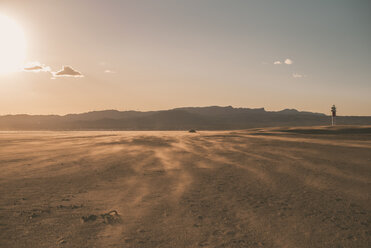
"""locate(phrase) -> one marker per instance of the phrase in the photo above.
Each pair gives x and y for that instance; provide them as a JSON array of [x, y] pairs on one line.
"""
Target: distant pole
[[333, 111]]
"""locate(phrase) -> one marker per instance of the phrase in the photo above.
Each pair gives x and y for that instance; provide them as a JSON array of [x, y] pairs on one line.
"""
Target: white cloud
[[288, 61], [109, 71], [277, 62], [297, 75], [67, 71]]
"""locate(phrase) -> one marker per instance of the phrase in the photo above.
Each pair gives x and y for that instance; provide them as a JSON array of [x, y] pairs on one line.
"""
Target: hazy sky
[[155, 54]]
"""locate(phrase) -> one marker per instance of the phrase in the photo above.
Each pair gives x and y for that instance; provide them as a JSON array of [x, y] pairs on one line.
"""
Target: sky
[[85, 55]]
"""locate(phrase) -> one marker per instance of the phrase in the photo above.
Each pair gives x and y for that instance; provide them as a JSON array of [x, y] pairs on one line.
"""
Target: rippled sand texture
[[256, 188]]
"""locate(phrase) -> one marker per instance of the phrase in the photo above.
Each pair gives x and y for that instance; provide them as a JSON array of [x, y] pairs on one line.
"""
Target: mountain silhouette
[[199, 118]]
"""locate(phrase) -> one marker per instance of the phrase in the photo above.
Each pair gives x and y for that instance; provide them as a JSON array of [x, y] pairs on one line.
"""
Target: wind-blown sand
[[306, 187]]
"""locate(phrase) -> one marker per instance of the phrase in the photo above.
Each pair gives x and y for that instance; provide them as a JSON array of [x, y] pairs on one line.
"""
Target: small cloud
[[277, 62], [297, 75], [109, 71], [36, 67], [33, 68], [67, 71], [288, 61]]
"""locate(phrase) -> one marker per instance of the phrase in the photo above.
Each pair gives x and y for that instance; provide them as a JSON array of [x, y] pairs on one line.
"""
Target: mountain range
[[199, 118]]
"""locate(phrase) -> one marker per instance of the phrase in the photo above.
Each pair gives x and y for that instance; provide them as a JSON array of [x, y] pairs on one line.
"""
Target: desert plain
[[271, 187]]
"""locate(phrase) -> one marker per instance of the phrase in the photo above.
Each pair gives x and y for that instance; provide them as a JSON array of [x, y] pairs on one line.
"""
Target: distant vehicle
[[192, 131]]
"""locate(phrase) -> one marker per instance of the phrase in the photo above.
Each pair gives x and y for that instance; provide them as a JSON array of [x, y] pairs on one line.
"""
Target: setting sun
[[12, 46]]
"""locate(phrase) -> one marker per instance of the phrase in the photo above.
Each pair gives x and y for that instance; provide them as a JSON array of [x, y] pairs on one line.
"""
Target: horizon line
[[206, 106]]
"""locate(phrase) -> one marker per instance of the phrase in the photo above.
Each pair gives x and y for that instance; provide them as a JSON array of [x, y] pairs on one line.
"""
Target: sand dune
[[296, 187]]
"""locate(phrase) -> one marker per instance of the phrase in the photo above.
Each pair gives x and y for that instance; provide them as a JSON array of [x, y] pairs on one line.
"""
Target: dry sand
[[255, 188]]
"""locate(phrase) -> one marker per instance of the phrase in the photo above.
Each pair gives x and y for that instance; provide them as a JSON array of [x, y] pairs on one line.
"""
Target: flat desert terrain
[[297, 187]]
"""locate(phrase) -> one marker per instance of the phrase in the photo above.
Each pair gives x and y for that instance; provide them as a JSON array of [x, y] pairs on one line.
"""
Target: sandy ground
[[254, 188]]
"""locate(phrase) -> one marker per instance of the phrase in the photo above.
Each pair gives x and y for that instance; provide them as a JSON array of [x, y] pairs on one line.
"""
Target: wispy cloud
[[67, 71], [109, 71], [33, 68], [297, 75], [288, 62], [36, 67]]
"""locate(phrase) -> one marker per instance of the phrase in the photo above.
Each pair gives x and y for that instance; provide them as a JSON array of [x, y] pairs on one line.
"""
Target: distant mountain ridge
[[200, 118]]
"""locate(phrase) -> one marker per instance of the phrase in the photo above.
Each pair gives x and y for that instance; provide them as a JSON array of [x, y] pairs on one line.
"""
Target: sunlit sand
[[298, 187]]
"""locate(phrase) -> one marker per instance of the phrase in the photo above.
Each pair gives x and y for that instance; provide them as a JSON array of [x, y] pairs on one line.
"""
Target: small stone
[[91, 217], [111, 217], [34, 215], [62, 241]]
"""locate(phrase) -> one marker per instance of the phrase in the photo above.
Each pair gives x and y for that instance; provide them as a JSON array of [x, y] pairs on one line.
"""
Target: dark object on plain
[[91, 217], [192, 131]]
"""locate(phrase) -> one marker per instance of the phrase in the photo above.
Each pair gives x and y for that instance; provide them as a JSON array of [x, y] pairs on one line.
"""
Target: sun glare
[[12, 46]]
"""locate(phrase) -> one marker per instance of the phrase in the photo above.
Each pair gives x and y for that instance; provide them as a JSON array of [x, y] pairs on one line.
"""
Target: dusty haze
[[307, 187]]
